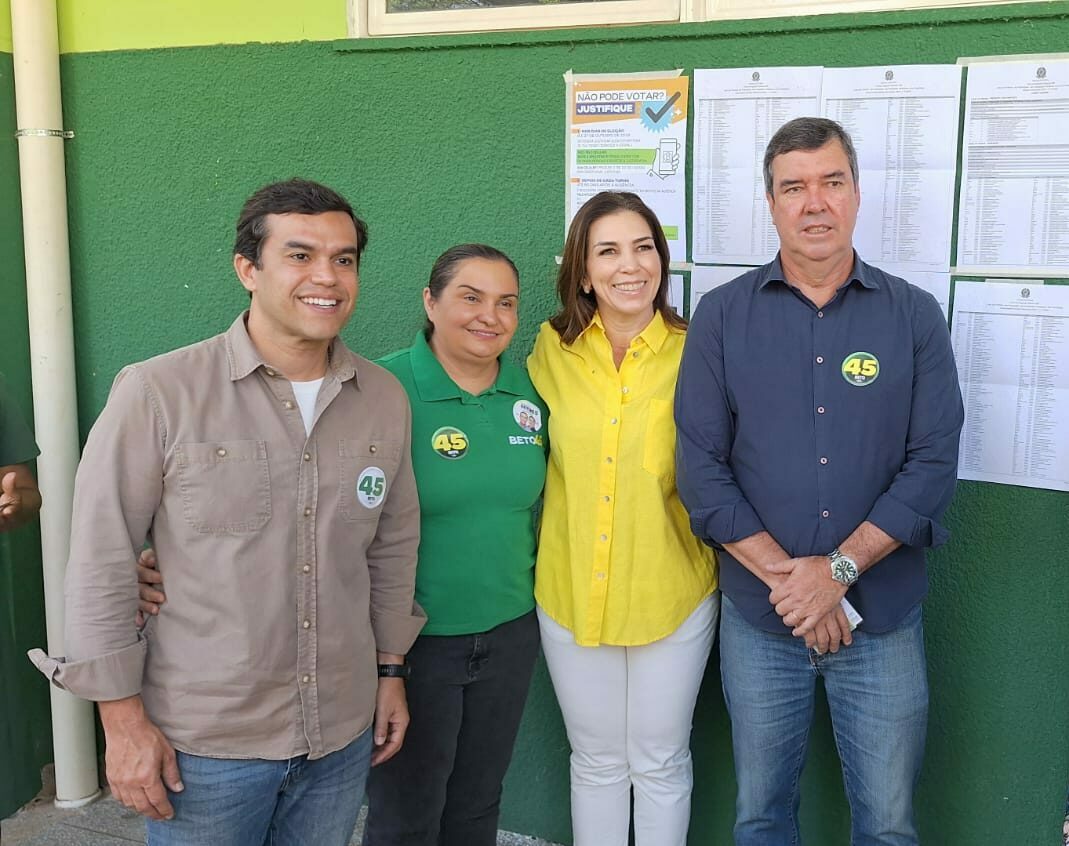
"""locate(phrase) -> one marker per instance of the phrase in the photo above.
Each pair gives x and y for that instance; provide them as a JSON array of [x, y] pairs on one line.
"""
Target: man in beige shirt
[[271, 467]]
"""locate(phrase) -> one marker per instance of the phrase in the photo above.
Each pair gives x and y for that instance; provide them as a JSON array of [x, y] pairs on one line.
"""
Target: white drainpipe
[[55, 408]]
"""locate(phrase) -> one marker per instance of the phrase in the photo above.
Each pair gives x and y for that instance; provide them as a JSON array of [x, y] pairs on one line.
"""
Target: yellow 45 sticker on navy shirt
[[860, 368]]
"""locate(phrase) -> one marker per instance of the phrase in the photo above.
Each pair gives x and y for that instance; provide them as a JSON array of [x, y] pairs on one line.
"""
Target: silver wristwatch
[[843, 567]]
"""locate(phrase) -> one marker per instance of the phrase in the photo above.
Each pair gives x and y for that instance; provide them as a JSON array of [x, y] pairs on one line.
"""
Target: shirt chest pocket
[[659, 451], [225, 485], [367, 468]]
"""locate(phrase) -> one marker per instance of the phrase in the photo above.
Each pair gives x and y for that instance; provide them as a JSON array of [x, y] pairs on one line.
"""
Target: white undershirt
[[306, 393]]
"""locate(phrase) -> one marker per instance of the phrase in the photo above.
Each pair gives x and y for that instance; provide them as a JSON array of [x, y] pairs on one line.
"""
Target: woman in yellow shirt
[[627, 600]]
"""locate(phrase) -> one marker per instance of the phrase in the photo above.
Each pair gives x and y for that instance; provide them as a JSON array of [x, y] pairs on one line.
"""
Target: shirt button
[[221, 452], [305, 679], [613, 421], [607, 498], [308, 512], [825, 514], [823, 460], [289, 405], [604, 537], [373, 449], [269, 371], [608, 460], [625, 390], [820, 359], [308, 456], [820, 409], [599, 576], [634, 354], [307, 624], [820, 314], [307, 568]]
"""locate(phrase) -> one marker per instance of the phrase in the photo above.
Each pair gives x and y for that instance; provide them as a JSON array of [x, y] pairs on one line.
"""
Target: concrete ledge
[[107, 823]]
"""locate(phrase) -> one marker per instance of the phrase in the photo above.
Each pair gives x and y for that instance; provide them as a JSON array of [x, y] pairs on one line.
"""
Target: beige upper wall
[[87, 26]]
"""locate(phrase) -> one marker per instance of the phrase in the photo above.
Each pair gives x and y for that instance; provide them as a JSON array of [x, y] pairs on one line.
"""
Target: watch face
[[844, 570]]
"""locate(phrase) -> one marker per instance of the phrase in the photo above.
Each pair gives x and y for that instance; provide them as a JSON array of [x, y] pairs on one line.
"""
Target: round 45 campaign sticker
[[371, 487], [449, 442], [860, 368]]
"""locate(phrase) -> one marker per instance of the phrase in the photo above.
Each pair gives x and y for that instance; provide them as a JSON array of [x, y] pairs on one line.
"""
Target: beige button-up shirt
[[288, 559]]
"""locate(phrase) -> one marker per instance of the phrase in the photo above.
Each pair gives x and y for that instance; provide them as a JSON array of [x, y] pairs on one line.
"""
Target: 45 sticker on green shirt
[[450, 442], [860, 368]]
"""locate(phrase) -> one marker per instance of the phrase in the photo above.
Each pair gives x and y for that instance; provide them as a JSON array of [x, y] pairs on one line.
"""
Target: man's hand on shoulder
[[139, 759], [808, 593]]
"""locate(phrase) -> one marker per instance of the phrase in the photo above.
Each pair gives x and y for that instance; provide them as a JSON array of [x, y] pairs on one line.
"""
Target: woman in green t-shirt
[[479, 455]]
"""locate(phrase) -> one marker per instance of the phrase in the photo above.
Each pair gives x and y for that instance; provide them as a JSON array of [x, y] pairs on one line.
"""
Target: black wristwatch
[[394, 671]]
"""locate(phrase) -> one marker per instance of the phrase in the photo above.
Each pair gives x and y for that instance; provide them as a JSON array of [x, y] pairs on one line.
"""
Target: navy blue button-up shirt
[[806, 422]]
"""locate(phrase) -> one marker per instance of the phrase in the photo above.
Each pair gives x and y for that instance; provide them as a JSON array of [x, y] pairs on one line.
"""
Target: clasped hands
[[807, 599]]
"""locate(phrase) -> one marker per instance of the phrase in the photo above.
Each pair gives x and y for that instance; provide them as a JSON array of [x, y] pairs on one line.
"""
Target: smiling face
[[474, 316], [305, 286], [814, 204], [623, 268]]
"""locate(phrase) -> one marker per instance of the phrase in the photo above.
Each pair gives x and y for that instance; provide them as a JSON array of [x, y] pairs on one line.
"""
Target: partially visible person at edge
[[478, 452], [20, 500], [819, 412], [626, 594], [273, 468]]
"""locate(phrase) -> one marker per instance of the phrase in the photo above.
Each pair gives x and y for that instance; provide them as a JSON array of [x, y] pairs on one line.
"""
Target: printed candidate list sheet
[[1011, 342], [704, 279], [903, 120], [1014, 213], [737, 111]]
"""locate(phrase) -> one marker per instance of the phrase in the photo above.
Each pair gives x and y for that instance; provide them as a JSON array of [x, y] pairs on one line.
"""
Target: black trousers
[[466, 698]]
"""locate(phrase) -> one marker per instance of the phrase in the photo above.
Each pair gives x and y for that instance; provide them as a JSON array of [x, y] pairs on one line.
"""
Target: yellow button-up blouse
[[617, 562]]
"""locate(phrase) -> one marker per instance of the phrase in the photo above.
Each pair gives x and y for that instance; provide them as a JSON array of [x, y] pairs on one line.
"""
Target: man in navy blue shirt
[[818, 413]]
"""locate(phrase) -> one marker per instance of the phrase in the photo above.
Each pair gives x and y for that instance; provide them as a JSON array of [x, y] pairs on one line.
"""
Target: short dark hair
[[577, 306], [808, 133], [294, 196], [448, 263]]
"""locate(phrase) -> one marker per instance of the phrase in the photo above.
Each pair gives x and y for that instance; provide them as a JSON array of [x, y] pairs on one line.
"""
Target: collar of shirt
[[244, 358], [653, 335], [861, 273], [433, 383]]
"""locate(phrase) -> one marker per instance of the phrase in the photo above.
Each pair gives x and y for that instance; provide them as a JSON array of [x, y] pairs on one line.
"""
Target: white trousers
[[628, 712]]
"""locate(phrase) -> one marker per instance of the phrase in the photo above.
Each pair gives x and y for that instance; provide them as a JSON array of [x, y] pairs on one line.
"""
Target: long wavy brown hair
[[577, 306]]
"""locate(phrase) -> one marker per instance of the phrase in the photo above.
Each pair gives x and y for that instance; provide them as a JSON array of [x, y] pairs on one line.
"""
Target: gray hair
[[807, 133]]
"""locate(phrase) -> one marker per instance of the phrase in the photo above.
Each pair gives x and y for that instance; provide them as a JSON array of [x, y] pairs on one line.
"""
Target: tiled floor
[[107, 823]]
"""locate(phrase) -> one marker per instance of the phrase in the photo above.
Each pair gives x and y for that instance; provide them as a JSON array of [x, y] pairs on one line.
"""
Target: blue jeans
[[230, 802], [877, 692], [466, 698]]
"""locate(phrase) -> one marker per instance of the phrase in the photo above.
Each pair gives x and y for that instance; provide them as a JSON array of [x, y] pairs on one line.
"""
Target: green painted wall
[[25, 733], [441, 140]]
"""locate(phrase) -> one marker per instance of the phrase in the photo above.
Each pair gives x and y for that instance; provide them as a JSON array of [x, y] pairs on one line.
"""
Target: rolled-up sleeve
[[117, 490], [396, 618], [912, 506], [705, 429]]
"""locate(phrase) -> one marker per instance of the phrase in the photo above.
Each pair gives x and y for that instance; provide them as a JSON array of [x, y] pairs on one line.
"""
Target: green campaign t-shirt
[[16, 440], [480, 463]]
